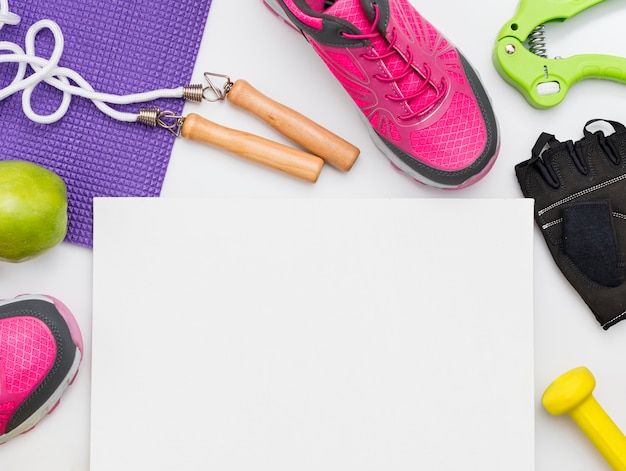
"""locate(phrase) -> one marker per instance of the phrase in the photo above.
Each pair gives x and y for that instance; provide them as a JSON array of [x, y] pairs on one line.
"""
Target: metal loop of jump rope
[[154, 117], [211, 93], [218, 94], [163, 119]]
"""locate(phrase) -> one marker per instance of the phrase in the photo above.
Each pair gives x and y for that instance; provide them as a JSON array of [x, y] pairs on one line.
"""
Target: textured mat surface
[[120, 47]]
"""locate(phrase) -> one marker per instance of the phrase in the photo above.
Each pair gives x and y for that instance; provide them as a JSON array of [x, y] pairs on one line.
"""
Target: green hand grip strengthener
[[521, 58]]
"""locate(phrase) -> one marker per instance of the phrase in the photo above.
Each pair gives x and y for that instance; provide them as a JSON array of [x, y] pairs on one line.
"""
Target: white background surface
[[302, 334], [246, 41]]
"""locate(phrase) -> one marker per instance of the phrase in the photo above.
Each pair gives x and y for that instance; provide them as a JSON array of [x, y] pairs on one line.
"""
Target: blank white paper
[[312, 334]]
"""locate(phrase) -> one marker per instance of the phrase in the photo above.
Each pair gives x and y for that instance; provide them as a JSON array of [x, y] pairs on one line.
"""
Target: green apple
[[33, 210]]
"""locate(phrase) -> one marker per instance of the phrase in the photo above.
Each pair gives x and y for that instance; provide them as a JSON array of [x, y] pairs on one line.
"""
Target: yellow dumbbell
[[571, 394]]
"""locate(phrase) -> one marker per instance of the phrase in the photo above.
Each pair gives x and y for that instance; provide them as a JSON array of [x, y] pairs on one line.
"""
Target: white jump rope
[[49, 71], [323, 144]]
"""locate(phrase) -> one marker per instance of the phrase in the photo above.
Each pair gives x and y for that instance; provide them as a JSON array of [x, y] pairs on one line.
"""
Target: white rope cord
[[61, 78], [6, 17]]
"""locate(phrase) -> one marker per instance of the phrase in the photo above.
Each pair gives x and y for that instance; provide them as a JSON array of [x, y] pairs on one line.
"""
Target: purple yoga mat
[[119, 47]]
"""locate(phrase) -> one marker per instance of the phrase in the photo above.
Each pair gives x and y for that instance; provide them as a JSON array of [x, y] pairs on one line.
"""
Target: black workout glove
[[579, 190]]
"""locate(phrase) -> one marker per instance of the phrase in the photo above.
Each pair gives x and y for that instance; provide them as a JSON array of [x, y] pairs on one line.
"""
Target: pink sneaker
[[426, 106], [40, 351]]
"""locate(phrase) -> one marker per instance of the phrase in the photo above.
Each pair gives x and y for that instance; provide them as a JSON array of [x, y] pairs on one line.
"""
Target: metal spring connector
[[163, 119], [149, 116], [212, 92], [193, 92]]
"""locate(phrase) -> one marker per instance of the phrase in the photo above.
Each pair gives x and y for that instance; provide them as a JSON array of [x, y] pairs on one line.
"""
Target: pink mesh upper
[[429, 110], [454, 140], [27, 352]]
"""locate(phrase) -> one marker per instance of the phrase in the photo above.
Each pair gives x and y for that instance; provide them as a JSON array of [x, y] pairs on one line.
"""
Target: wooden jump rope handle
[[254, 148], [300, 129]]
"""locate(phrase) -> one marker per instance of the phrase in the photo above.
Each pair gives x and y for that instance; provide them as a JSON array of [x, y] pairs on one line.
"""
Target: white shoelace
[[61, 78]]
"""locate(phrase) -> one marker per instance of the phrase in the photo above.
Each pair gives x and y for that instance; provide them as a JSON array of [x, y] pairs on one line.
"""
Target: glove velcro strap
[[590, 243]]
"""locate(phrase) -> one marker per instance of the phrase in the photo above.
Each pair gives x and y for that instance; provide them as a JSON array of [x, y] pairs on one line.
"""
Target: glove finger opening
[[606, 126], [545, 169], [603, 129]]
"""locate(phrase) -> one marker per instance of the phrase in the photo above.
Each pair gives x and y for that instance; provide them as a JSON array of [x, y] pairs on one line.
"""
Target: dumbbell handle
[[602, 432]]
